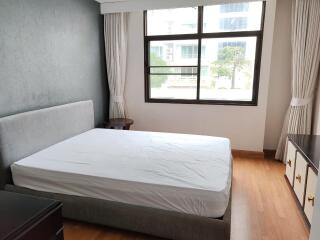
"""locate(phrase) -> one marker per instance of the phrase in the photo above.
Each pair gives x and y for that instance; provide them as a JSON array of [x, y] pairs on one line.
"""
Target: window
[[157, 51], [234, 23], [234, 7], [164, 22], [233, 44], [205, 55], [189, 71], [190, 26], [204, 71], [232, 17], [189, 51]]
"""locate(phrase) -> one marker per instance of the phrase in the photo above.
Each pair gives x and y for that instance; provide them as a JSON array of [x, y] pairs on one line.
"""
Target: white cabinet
[[300, 177], [290, 161], [310, 194], [300, 171]]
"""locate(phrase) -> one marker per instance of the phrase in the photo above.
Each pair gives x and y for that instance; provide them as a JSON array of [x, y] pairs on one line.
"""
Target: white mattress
[[177, 172]]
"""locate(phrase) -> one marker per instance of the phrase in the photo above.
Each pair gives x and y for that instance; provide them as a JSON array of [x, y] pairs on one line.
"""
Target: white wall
[[280, 78], [244, 125]]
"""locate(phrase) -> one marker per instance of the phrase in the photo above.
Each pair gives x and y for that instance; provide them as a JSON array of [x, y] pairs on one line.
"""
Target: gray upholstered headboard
[[27, 133]]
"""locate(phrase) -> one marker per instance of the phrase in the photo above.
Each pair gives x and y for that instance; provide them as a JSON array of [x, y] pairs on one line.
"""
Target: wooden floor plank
[[263, 208]]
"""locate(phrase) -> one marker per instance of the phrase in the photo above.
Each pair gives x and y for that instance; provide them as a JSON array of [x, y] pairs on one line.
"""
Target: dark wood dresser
[[24, 217], [302, 167]]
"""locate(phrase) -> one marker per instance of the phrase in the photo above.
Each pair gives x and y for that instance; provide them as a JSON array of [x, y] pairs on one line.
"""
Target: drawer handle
[[312, 199], [298, 178], [289, 163]]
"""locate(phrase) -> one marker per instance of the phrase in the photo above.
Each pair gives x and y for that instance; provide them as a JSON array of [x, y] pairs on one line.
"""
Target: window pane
[[227, 70], [235, 7], [173, 87], [232, 17], [157, 51], [189, 51], [172, 21], [173, 53]]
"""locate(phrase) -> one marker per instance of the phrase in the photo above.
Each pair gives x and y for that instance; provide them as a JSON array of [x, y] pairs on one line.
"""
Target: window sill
[[203, 102]]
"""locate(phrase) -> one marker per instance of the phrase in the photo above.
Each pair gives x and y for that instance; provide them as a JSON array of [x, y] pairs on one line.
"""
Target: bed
[[175, 186]]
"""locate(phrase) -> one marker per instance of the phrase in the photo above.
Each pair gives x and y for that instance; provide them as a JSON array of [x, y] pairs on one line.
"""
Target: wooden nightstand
[[119, 123], [24, 217]]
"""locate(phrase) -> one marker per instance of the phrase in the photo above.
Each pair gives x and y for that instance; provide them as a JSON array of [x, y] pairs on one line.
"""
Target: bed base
[[156, 222]]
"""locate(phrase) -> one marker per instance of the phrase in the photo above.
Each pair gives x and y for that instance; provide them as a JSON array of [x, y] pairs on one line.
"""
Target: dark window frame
[[199, 36]]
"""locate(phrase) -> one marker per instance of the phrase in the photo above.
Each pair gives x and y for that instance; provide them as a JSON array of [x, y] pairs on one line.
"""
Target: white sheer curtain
[[116, 41], [305, 69]]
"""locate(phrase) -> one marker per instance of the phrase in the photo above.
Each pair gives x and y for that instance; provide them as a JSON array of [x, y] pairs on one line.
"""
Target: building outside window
[[157, 51], [234, 7], [233, 23], [190, 51]]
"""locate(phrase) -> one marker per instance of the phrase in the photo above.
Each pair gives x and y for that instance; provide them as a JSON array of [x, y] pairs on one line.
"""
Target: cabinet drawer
[[300, 177], [310, 194], [290, 162]]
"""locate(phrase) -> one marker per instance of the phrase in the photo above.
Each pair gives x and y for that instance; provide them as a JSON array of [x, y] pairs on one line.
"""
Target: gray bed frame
[[27, 133]]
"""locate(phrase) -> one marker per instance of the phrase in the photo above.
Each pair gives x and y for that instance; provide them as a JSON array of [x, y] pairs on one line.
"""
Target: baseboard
[[247, 154]]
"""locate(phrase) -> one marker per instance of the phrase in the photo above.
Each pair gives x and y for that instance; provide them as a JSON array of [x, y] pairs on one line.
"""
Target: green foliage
[[230, 60], [157, 80]]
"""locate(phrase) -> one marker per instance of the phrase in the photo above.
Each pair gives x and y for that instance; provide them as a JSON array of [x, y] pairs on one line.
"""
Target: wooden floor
[[263, 208]]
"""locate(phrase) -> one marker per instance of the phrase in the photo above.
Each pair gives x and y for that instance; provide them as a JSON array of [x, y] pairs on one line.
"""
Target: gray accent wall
[[51, 53]]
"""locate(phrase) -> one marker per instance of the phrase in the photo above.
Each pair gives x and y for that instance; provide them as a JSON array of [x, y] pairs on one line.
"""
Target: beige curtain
[[116, 41], [305, 67]]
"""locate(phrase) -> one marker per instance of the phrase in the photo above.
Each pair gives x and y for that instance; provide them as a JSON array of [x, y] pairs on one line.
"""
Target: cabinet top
[[19, 211], [309, 147]]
